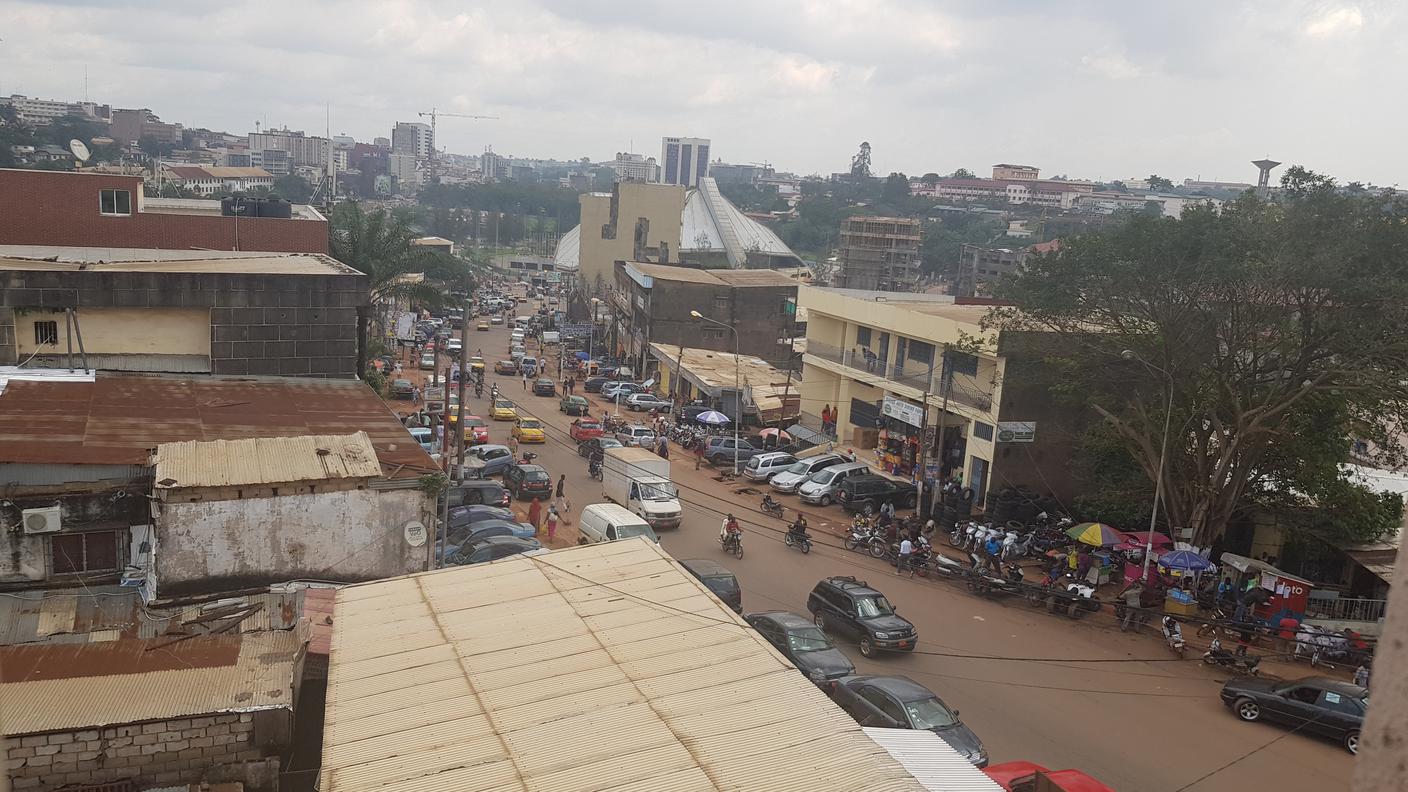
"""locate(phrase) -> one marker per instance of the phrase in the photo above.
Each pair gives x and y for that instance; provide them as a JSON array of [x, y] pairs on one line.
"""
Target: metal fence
[[1346, 609], [965, 388]]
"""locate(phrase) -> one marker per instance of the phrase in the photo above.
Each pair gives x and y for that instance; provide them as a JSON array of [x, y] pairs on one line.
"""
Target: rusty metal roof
[[602, 666], [119, 419], [264, 460], [110, 613], [58, 687]]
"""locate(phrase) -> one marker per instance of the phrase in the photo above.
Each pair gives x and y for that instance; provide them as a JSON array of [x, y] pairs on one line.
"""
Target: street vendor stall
[[1289, 594]]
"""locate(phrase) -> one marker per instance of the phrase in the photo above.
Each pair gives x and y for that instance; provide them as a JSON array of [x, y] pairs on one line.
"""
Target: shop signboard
[[1016, 431], [901, 410]]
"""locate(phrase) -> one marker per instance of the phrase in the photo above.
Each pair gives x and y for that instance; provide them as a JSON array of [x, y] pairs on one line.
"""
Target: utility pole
[[464, 375], [946, 375]]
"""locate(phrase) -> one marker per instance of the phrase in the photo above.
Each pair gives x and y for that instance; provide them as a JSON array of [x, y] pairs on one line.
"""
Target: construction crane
[[432, 175]]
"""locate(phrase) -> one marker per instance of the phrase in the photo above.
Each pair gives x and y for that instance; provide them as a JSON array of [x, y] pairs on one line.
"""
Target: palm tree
[[380, 245]]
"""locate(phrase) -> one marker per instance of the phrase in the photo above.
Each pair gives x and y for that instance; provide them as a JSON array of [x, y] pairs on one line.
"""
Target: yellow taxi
[[476, 365], [504, 410], [482, 327], [529, 430]]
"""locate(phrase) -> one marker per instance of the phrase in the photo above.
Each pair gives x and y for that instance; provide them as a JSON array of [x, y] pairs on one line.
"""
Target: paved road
[[1093, 703]]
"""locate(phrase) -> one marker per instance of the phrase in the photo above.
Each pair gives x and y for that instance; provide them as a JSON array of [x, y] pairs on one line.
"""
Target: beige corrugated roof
[[268, 264], [77, 686], [264, 460], [599, 667]]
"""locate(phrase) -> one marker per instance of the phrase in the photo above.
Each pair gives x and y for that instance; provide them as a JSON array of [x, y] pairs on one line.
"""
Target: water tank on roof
[[276, 207], [236, 205]]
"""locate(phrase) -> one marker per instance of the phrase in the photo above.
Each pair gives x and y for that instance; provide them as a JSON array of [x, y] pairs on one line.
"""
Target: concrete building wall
[[154, 331], [220, 747], [55, 208], [609, 224], [289, 325], [219, 544]]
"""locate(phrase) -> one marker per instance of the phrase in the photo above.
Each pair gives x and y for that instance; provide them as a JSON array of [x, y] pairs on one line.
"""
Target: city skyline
[[1092, 92]]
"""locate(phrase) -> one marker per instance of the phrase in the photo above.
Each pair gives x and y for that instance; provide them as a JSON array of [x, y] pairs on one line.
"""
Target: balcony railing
[[965, 388], [1347, 609]]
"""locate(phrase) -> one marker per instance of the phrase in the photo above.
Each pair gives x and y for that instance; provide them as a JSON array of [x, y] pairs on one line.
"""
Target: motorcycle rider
[[594, 461], [770, 505], [1173, 633], [798, 528], [730, 529]]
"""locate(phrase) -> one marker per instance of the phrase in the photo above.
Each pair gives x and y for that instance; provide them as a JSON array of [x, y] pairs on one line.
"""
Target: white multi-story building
[[404, 171], [413, 138], [36, 112], [209, 180], [635, 167], [302, 150], [684, 161]]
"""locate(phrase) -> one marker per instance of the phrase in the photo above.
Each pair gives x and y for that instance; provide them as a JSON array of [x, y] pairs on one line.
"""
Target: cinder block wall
[[186, 750]]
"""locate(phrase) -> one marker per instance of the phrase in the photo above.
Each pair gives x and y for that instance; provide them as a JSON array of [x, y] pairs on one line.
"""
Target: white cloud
[[1111, 66], [1335, 22]]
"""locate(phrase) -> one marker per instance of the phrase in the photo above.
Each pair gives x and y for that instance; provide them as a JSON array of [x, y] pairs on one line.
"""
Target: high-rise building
[[879, 253], [413, 138], [684, 161], [635, 167], [404, 171], [130, 126], [302, 150]]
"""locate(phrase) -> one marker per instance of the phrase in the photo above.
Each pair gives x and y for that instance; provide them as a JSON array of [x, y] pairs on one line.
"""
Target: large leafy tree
[[1277, 326]]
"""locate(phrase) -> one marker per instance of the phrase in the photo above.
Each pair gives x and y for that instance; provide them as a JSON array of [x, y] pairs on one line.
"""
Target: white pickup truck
[[640, 481]]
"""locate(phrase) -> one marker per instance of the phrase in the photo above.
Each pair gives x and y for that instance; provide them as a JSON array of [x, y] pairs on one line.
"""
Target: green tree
[[930, 179], [1159, 183], [1279, 325], [962, 173], [294, 188], [896, 189]]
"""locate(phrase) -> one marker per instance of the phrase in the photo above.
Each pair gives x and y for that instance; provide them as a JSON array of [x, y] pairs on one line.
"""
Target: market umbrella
[[1095, 534], [1185, 560], [583, 356], [713, 417], [773, 432]]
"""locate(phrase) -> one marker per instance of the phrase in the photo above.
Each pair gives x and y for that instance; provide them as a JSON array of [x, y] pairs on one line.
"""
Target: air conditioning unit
[[41, 521]]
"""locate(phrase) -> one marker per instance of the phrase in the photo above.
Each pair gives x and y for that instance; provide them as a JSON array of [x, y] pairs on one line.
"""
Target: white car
[[636, 435], [641, 402]]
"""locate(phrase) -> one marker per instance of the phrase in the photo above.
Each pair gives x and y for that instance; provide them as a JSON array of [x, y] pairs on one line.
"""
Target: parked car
[[637, 435], [764, 466], [717, 579], [690, 412], [584, 429], [608, 522], [503, 410], [594, 384], [1319, 705], [575, 405], [492, 548], [427, 361], [644, 402], [472, 532], [496, 320], [803, 643], [722, 451], [620, 390], [529, 430], [476, 492], [1021, 776], [897, 702], [482, 327], [402, 389], [495, 458], [526, 482], [453, 346], [505, 367], [873, 490], [464, 515], [850, 609], [426, 437], [544, 387], [586, 448], [821, 487], [798, 472]]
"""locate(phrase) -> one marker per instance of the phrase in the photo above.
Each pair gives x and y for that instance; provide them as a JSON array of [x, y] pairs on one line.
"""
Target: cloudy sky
[[1079, 87]]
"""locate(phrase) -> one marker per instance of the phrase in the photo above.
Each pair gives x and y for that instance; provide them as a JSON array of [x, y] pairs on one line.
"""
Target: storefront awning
[[802, 434]]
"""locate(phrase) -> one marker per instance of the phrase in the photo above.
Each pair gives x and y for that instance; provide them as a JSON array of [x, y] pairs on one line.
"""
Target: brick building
[[164, 311], [109, 210], [652, 304], [146, 712]]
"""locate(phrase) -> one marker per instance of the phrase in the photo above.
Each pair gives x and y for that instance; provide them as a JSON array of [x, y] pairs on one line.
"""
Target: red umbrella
[[771, 432]]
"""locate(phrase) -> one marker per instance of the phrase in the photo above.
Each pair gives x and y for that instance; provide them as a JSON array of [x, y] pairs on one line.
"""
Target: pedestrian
[[415, 395], [561, 491], [1361, 675], [513, 446], [552, 524], [698, 455], [1286, 638], [1246, 606], [1083, 563], [906, 551], [1131, 604], [535, 514], [525, 378], [662, 448], [398, 367], [826, 420]]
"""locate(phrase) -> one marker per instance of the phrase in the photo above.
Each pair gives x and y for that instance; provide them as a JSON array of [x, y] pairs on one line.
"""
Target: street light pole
[[737, 384], [1129, 354]]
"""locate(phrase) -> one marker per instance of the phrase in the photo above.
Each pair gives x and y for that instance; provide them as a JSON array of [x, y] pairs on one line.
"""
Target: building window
[[46, 333], [76, 553], [115, 202], [720, 305], [963, 363], [711, 333], [982, 431], [863, 336]]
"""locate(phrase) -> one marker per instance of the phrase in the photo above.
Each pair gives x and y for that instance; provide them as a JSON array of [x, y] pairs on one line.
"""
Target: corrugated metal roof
[[934, 762], [267, 264], [604, 666], [264, 460], [77, 687], [110, 613], [119, 418]]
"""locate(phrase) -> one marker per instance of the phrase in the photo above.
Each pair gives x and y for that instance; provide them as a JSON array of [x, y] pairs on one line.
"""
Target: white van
[[764, 466], [607, 522]]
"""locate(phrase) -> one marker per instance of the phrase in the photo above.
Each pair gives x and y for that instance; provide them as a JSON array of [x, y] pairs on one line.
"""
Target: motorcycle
[[863, 537], [594, 469], [733, 544], [1240, 664], [794, 539], [1173, 636], [771, 506]]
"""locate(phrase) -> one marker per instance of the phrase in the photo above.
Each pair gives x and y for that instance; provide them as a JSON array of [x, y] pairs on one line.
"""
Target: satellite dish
[[80, 151]]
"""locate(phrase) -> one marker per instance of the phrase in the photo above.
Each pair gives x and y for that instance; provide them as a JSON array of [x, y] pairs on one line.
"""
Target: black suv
[[858, 492], [526, 482], [849, 608]]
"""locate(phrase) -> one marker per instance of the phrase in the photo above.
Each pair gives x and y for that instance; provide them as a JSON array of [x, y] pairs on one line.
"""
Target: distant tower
[[1263, 179]]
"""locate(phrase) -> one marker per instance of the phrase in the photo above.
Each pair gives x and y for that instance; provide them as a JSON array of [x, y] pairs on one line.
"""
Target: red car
[[1022, 777], [475, 424], [584, 429]]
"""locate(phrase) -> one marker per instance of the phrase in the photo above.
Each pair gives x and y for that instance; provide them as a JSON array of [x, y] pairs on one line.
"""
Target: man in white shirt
[[906, 550]]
